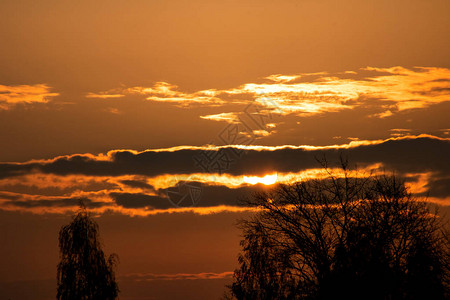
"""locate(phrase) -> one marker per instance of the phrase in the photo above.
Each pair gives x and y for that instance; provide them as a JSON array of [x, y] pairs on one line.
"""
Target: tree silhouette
[[348, 236], [84, 273]]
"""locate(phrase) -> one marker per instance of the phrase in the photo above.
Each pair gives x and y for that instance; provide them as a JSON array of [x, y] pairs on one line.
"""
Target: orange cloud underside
[[81, 185]]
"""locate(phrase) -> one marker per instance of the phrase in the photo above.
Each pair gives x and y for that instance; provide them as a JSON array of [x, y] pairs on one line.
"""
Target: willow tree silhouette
[[348, 236], [84, 273]]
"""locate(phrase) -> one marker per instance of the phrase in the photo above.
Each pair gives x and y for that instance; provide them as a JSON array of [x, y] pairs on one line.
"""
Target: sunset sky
[[161, 115]]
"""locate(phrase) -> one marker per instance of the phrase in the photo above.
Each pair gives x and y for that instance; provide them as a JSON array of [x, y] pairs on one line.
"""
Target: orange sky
[[121, 103]]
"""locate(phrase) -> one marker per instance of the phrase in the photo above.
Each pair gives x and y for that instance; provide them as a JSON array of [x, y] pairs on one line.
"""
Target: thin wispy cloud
[[390, 90], [178, 276], [231, 118], [166, 92], [11, 95], [397, 132], [104, 95]]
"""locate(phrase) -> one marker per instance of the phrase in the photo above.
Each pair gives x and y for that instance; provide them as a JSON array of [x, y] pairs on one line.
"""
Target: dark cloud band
[[405, 155]]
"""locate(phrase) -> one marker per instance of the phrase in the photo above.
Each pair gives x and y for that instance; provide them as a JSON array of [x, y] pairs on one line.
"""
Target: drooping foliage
[[84, 272]]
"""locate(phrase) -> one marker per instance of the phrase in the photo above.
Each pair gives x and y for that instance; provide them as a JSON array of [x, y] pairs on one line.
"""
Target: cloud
[[396, 132], [15, 94], [104, 95], [166, 92], [30, 202], [406, 152], [139, 200], [113, 110], [178, 276], [388, 90], [396, 89], [231, 118], [140, 183], [438, 187], [214, 198], [137, 184], [282, 78], [262, 132]]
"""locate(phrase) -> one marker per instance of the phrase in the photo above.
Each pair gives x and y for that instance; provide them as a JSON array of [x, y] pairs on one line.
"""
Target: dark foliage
[[347, 236], [84, 273]]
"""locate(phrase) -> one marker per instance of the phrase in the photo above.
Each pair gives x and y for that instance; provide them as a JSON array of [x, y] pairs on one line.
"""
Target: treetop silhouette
[[84, 272], [348, 236]]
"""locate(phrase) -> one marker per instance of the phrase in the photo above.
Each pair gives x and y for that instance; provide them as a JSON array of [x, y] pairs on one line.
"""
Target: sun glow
[[267, 180]]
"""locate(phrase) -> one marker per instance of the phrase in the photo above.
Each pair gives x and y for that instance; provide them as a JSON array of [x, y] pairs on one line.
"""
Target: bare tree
[[84, 272], [349, 236]]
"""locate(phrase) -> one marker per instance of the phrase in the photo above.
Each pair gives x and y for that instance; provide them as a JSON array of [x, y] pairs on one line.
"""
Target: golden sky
[[161, 114]]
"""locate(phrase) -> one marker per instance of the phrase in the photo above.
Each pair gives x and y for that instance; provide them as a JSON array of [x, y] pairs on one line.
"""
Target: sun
[[267, 179]]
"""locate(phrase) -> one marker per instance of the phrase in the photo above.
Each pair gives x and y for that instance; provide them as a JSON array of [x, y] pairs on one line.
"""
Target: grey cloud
[[137, 184], [438, 187], [210, 196], [55, 202], [403, 155], [140, 200]]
